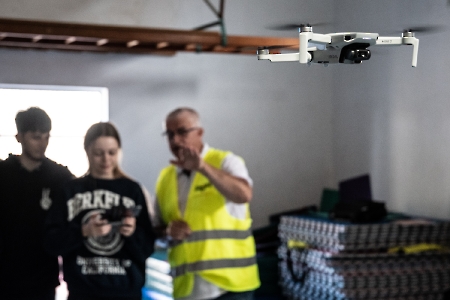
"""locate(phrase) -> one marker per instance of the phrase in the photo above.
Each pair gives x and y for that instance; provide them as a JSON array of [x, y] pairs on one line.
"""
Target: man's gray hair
[[188, 110]]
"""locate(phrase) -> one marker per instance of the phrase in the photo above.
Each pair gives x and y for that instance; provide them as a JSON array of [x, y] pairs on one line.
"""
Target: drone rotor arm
[[264, 54], [389, 41], [284, 57], [398, 41], [320, 38], [415, 43], [305, 38]]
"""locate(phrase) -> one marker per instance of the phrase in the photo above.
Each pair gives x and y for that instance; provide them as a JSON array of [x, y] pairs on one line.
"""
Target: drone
[[343, 47]]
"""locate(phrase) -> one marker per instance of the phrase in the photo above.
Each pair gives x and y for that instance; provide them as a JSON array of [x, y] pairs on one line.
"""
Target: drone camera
[[358, 55], [348, 38], [355, 53]]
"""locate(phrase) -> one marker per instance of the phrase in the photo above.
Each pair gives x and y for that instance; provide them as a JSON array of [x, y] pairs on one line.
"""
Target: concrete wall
[[391, 120]]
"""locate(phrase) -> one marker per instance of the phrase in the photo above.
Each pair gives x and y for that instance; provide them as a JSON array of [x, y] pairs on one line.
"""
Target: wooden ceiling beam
[[90, 37], [93, 48]]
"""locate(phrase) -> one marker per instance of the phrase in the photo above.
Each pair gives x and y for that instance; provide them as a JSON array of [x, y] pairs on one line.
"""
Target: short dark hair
[[33, 119]]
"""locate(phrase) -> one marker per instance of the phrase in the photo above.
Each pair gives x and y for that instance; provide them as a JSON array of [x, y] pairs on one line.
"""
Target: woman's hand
[[96, 226], [128, 226]]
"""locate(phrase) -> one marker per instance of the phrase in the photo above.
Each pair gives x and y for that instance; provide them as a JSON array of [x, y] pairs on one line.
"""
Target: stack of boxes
[[158, 282], [403, 259]]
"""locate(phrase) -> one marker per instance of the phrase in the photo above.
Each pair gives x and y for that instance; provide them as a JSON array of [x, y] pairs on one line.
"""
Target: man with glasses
[[202, 202]]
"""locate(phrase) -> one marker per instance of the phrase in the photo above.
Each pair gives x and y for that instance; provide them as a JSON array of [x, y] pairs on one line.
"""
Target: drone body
[[344, 47]]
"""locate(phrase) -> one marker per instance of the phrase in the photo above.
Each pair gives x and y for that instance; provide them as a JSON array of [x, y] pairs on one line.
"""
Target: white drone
[[343, 47]]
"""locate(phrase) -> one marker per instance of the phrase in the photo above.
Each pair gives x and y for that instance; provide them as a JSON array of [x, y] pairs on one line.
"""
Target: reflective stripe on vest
[[218, 234], [213, 264]]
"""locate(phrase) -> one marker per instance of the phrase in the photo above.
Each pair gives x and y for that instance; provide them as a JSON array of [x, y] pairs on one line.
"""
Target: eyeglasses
[[180, 132]]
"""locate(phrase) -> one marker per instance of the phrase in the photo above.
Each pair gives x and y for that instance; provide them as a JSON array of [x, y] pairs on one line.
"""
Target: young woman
[[100, 225]]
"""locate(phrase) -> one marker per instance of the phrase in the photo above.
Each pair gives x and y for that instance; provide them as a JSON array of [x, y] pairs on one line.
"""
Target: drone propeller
[[292, 26], [426, 29]]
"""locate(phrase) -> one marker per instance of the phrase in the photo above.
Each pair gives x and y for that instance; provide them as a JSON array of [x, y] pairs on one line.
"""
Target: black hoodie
[[112, 266], [25, 198]]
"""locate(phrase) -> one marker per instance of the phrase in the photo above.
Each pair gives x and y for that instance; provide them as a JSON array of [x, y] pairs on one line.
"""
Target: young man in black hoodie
[[28, 183]]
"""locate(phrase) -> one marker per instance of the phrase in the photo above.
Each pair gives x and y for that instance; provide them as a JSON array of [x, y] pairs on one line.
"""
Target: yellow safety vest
[[221, 248]]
